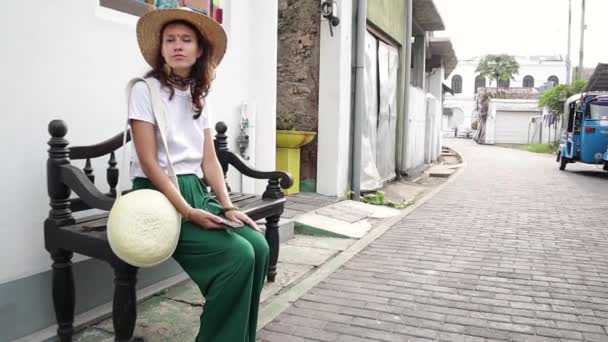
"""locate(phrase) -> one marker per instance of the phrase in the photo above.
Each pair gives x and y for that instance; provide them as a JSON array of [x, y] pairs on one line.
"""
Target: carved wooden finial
[[59, 155], [58, 128], [220, 127], [221, 145], [221, 139]]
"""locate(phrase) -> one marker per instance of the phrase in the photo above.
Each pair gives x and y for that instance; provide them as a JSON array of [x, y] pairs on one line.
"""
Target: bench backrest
[[61, 156]]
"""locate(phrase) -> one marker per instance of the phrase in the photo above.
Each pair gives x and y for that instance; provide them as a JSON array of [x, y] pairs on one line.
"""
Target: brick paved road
[[512, 250]]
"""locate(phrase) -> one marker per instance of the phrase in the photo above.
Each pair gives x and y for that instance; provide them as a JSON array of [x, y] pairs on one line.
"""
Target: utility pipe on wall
[[581, 53], [568, 59], [405, 112], [359, 96]]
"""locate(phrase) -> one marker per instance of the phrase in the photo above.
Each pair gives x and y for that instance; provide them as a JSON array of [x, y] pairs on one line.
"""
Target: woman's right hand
[[204, 219]]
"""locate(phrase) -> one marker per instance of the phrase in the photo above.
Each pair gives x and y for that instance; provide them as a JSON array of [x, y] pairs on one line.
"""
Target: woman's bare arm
[[215, 176], [213, 171]]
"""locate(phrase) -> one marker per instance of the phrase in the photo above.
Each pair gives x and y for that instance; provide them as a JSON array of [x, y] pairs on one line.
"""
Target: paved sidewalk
[[512, 250], [303, 202]]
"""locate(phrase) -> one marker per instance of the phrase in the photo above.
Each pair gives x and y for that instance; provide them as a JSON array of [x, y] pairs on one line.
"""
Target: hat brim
[[151, 23]]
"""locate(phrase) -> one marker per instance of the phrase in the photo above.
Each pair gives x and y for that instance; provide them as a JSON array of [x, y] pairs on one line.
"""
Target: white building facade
[[71, 60], [460, 108], [387, 149]]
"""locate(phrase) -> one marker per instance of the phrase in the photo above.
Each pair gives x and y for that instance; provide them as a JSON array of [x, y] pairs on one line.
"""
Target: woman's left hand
[[239, 216]]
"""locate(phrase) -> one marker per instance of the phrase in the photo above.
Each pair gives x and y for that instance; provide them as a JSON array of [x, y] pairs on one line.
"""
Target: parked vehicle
[[585, 130], [464, 132]]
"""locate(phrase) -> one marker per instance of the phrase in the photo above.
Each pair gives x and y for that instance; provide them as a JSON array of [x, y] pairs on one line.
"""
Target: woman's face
[[180, 48]]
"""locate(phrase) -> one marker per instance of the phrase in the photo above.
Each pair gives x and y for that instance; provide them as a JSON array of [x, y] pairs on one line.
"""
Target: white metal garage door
[[512, 127]]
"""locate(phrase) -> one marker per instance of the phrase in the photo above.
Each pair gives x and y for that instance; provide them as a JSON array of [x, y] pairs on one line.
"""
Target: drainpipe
[[407, 63], [359, 96]]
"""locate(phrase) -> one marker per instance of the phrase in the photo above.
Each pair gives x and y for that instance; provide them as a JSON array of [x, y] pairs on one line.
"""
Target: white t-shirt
[[185, 135]]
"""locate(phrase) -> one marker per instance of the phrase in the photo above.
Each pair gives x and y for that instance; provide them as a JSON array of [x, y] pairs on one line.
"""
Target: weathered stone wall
[[298, 73]]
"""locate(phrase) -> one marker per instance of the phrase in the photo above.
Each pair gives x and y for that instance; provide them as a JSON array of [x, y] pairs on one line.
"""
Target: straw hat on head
[[150, 24]]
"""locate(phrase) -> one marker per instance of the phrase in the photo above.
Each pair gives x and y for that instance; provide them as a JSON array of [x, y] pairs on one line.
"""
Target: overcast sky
[[525, 27]]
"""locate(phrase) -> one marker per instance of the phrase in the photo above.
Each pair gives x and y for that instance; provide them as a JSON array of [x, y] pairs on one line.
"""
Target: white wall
[[445, 122], [435, 112], [541, 73], [466, 70], [262, 82], [432, 108], [541, 132], [435, 81], [334, 105], [527, 108], [461, 105], [71, 61], [415, 145], [512, 127]]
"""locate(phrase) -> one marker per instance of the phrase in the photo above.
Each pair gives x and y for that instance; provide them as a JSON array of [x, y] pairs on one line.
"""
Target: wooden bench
[[64, 234]]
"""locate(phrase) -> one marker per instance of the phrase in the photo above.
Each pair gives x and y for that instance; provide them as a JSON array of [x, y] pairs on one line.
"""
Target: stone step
[[286, 228], [440, 171], [346, 219]]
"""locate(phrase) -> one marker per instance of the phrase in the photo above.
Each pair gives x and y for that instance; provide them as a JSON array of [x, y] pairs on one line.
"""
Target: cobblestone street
[[513, 249]]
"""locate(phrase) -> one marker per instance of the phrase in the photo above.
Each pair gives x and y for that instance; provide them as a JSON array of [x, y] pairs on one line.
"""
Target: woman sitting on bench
[[229, 265]]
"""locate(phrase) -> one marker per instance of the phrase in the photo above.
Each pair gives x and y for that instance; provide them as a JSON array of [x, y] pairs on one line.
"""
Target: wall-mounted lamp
[[329, 11]]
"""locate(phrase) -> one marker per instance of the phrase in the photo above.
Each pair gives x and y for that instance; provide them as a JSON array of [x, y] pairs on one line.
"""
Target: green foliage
[[498, 67], [554, 98], [578, 86], [543, 148], [378, 198], [285, 121]]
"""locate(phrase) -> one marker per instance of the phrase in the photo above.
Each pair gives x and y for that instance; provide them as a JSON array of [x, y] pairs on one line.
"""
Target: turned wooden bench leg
[[272, 237], [124, 308], [63, 293]]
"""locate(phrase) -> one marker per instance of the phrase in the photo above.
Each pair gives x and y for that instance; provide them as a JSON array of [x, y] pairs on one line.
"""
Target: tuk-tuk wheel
[[562, 163]]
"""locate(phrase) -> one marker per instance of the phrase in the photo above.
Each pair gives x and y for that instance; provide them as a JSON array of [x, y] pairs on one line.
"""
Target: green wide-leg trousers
[[228, 266]]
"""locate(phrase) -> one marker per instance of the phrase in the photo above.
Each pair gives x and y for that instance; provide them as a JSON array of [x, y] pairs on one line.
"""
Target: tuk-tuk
[[585, 130]]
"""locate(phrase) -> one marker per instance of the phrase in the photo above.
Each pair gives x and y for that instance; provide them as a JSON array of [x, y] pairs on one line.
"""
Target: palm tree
[[498, 67]]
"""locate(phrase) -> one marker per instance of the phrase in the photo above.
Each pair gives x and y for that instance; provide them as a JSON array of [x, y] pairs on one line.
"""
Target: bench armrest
[[78, 182], [284, 178], [100, 149]]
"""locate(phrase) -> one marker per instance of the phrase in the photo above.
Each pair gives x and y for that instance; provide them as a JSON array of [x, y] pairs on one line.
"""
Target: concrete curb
[[459, 156], [274, 307]]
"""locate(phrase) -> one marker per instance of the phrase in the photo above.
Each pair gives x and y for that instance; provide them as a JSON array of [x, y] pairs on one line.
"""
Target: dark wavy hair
[[203, 70]]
